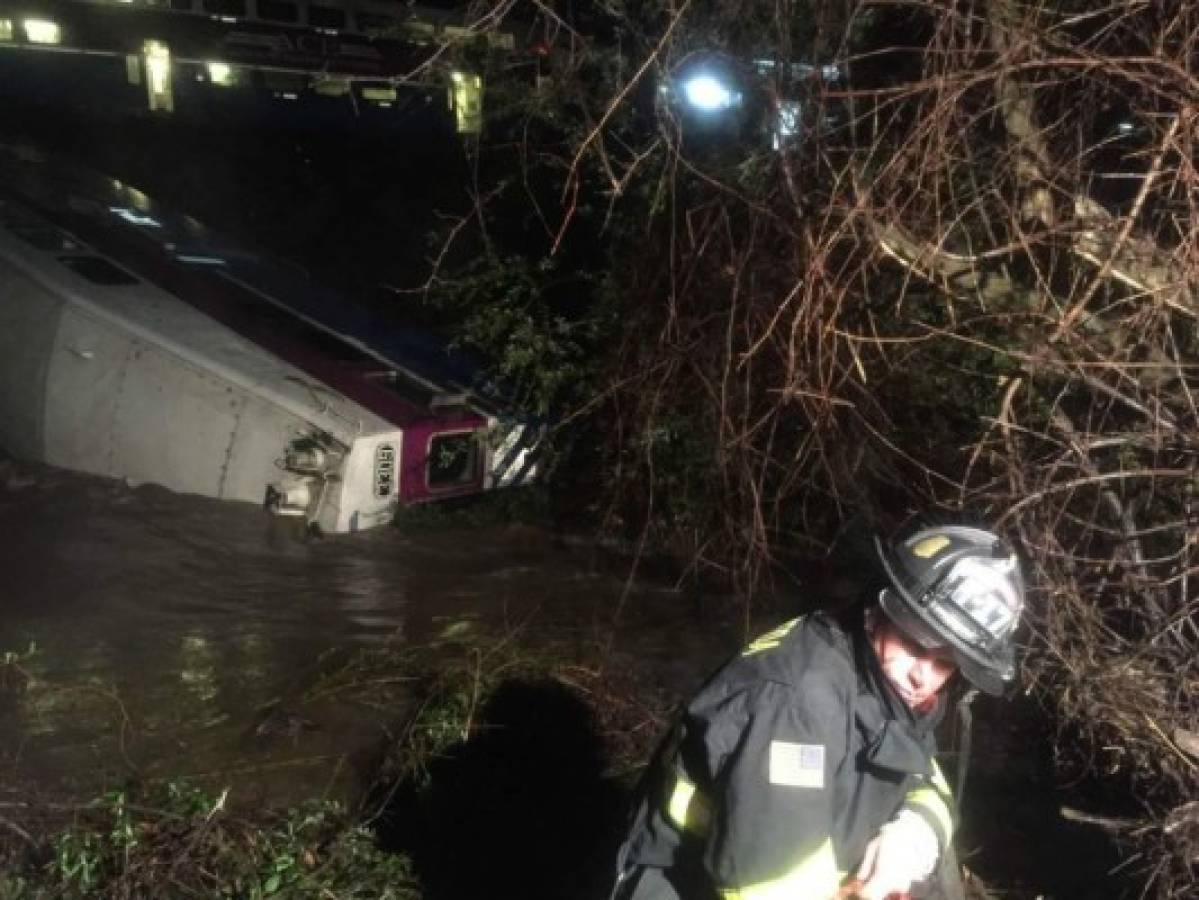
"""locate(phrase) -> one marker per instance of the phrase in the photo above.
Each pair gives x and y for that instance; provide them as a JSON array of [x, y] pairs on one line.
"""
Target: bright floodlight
[[157, 57], [707, 93], [220, 73]]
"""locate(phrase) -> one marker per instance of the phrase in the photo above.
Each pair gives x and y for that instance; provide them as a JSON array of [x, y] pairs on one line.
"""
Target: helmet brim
[[987, 679]]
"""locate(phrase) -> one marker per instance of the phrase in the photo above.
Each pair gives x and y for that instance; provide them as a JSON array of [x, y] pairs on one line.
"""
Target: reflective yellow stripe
[[931, 800], [687, 808], [679, 801], [815, 878], [939, 781], [771, 639]]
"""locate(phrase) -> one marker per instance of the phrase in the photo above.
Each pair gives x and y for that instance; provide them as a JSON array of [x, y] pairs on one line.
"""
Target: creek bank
[[508, 766], [505, 771], [255, 706]]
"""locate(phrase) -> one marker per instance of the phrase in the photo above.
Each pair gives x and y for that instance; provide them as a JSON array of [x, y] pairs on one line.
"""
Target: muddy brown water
[[175, 636]]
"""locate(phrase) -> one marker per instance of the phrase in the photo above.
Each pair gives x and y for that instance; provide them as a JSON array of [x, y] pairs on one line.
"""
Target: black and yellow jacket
[[783, 768]]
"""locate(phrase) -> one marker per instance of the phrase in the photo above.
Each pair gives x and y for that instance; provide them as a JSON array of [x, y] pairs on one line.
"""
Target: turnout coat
[[780, 771]]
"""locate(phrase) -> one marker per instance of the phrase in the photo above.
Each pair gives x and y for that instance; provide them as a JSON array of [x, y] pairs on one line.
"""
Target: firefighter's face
[[916, 674]]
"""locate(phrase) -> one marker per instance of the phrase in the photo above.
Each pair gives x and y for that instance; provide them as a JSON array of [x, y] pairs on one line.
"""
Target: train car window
[[98, 270], [278, 11], [225, 7], [453, 460], [326, 17], [375, 21]]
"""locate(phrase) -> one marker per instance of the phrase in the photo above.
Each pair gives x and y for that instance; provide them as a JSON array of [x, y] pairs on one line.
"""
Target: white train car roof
[[73, 271]]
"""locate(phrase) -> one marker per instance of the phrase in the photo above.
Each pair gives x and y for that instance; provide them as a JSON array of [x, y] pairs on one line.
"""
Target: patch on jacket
[[797, 765]]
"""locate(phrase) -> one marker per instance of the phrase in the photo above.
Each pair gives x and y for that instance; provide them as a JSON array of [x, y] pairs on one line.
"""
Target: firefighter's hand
[[904, 852]]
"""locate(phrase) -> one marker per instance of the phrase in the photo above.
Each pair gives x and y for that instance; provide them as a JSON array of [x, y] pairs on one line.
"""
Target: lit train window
[[326, 17], [278, 11], [42, 31]]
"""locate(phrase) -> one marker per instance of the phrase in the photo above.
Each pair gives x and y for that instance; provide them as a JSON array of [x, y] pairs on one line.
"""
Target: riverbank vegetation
[[180, 841], [504, 772], [910, 259]]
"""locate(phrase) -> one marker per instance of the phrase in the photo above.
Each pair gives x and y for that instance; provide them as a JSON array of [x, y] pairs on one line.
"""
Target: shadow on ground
[[1014, 833], [522, 809]]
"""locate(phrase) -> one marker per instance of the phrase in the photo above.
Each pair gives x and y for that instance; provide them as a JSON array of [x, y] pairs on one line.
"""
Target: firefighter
[[804, 769]]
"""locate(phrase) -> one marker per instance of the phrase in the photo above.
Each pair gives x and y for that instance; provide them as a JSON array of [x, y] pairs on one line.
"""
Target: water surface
[[166, 629]]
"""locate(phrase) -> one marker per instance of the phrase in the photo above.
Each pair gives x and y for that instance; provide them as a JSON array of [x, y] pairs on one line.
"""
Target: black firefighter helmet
[[957, 587]]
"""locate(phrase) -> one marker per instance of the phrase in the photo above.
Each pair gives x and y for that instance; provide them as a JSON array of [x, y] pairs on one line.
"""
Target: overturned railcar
[[134, 359]]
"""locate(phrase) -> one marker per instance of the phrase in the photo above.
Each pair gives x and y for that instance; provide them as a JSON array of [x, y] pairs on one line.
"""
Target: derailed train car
[[131, 347]]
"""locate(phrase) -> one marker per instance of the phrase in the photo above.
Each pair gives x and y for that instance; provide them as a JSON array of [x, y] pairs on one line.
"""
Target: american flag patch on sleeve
[[797, 765]]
